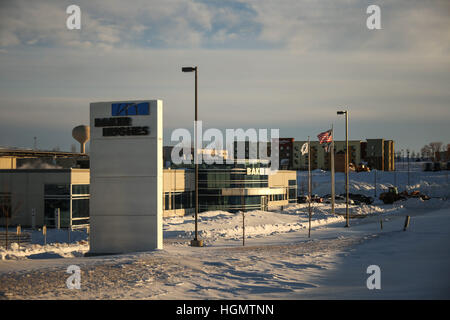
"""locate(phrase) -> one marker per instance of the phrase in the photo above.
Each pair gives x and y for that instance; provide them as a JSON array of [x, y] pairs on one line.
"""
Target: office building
[[34, 194], [320, 159], [379, 154]]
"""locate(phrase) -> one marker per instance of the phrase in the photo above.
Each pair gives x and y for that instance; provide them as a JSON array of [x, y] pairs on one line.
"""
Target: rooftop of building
[[62, 170], [18, 152]]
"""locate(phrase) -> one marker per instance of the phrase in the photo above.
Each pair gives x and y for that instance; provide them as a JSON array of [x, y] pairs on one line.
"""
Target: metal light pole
[[195, 242], [395, 171], [333, 191], [402, 159], [375, 182], [375, 173], [407, 153], [309, 187], [347, 218]]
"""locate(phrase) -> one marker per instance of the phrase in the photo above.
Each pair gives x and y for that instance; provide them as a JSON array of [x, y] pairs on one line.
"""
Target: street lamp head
[[188, 69], [341, 112]]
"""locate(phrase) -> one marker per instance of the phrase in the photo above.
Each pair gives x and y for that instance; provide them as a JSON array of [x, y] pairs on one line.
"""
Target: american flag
[[325, 137]]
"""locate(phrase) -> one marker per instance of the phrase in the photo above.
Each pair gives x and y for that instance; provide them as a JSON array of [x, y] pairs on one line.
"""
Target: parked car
[[360, 198], [316, 198], [362, 168], [339, 199]]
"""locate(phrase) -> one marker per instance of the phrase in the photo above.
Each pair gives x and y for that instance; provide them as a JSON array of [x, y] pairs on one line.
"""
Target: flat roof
[[4, 152], [62, 170]]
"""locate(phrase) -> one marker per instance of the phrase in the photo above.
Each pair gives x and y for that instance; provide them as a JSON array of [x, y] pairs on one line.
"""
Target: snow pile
[[214, 225], [57, 245], [37, 251], [433, 184], [432, 188]]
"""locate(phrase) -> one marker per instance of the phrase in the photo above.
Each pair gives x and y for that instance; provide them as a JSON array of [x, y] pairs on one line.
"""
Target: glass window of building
[[80, 211], [50, 206], [61, 189], [80, 189], [72, 202]]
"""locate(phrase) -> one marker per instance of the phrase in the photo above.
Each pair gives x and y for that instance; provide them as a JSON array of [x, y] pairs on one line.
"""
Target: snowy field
[[433, 184], [278, 260]]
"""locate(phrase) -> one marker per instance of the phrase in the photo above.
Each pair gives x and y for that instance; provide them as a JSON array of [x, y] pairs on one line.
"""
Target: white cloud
[[175, 23], [8, 38], [303, 26], [321, 57], [325, 26]]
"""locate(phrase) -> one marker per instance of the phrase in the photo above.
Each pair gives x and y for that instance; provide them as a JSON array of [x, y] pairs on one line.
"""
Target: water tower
[[82, 135]]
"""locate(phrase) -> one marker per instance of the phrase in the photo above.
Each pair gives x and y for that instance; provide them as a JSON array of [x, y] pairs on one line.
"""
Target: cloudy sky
[[287, 64]]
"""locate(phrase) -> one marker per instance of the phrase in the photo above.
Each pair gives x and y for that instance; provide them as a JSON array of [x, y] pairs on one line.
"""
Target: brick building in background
[[377, 153]]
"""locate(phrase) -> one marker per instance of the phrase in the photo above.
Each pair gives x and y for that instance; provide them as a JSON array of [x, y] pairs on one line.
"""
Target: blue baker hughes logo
[[130, 109]]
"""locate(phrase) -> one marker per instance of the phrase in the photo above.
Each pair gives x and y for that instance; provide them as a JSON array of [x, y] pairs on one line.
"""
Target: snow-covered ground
[[434, 184], [57, 245], [278, 260]]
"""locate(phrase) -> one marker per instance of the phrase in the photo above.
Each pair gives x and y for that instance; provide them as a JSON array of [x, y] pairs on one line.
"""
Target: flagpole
[[347, 169], [332, 170], [309, 186]]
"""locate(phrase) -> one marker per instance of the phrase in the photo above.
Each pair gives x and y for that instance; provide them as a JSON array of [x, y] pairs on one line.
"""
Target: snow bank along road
[[278, 261]]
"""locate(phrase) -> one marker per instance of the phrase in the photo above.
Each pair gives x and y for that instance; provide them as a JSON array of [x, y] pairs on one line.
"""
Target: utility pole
[[243, 228], [347, 177], [332, 171], [309, 186], [395, 173], [407, 152], [375, 182]]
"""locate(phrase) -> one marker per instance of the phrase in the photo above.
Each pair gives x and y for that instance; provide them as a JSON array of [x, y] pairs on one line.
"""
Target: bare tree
[[435, 147], [426, 152]]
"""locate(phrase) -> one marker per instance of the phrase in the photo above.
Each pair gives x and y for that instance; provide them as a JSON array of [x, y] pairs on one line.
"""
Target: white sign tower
[[126, 176]]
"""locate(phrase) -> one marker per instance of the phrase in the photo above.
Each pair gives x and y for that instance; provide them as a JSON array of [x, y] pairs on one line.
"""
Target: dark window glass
[[178, 201], [80, 208], [49, 211], [292, 193], [56, 189], [80, 189], [166, 201]]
